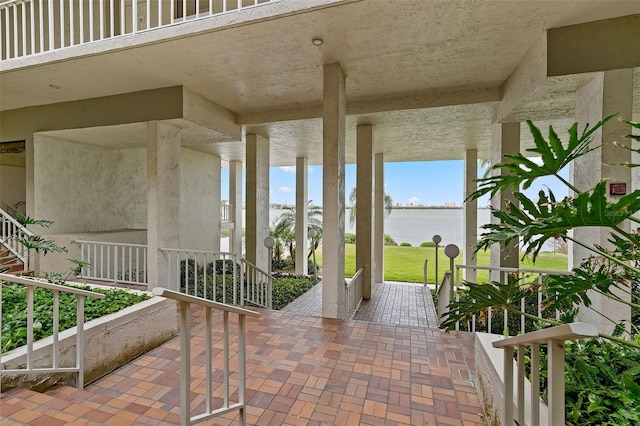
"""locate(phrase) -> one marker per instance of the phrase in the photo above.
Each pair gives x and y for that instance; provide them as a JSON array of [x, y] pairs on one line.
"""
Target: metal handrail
[[55, 368], [185, 356], [257, 286], [12, 233], [114, 262]]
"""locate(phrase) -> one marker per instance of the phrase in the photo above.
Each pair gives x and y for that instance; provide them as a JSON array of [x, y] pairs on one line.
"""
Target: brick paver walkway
[[301, 370]]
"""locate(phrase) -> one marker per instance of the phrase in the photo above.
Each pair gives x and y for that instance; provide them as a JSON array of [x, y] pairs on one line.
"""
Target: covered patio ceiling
[[427, 74]]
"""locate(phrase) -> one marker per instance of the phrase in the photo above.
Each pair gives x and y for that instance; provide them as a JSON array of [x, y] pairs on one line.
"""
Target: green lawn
[[406, 263]]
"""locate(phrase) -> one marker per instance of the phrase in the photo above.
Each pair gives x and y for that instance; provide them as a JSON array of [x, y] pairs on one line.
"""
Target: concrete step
[[65, 404]]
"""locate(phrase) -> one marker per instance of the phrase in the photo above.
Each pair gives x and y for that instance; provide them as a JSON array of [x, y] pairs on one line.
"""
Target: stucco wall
[[199, 200], [12, 184], [85, 188]]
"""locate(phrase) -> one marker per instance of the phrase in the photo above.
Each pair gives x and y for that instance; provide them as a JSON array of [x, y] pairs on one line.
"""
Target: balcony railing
[[353, 293], [30, 367], [226, 213], [526, 277], [114, 262], [29, 27], [186, 417]]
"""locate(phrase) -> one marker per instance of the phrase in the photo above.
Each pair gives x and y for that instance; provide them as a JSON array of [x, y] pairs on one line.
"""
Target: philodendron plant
[[611, 272]]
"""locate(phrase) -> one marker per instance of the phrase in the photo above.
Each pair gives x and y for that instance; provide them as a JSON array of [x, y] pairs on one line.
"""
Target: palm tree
[[388, 206], [284, 227]]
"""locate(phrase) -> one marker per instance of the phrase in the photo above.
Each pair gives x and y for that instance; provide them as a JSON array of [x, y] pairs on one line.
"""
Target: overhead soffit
[[385, 48]]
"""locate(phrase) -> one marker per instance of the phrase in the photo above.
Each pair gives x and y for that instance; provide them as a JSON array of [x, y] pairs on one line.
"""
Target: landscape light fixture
[[317, 41]]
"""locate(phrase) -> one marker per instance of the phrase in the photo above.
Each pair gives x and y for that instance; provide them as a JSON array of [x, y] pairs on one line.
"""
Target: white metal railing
[[31, 284], [526, 277], [114, 262], [554, 337], [444, 296], [13, 233], [353, 293], [207, 274], [185, 357], [257, 285], [29, 27], [226, 212]]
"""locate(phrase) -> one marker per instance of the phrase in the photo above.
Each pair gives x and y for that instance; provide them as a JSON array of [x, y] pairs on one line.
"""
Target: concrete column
[[257, 200], [333, 160], [470, 211], [379, 214], [607, 93], [163, 189], [302, 215], [364, 210], [235, 199], [505, 139]]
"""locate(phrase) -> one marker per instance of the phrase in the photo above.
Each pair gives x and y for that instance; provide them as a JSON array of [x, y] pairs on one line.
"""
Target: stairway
[[11, 261], [64, 405]]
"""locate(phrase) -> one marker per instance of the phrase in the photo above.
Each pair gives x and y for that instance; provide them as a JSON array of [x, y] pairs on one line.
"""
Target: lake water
[[416, 226]]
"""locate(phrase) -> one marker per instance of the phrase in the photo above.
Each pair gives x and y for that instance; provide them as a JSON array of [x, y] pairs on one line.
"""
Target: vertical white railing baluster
[[159, 13], [32, 28], [555, 382], [41, 20], [535, 384], [123, 19], [101, 15], [148, 3], [172, 11], [197, 9], [29, 327], [112, 18], [210, 7], [508, 385], [72, 24], [16, 35], [91, 23], [56, 327], [209, 370], [62, 44], [225, 323], [81, 20], [24, 29], [80, 341], [521, 379], [184, 10], [185, 363], [50, 22]]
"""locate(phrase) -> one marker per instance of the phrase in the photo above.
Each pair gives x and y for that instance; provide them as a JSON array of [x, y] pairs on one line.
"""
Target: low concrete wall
[[110, 342]]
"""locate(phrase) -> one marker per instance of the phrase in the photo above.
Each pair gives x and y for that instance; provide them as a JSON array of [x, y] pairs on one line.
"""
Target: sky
[[431, 183]]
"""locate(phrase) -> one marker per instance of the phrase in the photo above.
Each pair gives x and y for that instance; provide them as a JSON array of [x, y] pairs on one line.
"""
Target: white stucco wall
[[12, 184], [85, 188], [199, 200]]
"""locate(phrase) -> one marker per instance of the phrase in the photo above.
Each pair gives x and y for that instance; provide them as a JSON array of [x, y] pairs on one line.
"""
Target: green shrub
[[388, 241], [349, 238], [405, 245], [428, 244], [14, 310]]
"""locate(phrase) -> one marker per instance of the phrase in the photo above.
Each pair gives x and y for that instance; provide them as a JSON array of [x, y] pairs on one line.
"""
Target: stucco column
[[302, 215], [364, 206], [378, 219], [607, 93], [470, 211], [505, 139], [235, 200], [163, 189], [257, 200], [333, 159]]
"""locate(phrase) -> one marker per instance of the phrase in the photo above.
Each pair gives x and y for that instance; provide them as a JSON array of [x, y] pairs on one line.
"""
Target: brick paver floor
[[301, 370]]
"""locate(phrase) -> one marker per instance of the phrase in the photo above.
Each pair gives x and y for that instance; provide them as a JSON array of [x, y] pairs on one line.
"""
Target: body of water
[[416, 226]]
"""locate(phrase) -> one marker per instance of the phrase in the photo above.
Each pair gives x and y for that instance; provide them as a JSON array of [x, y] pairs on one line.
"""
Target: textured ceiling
[[262, 65]]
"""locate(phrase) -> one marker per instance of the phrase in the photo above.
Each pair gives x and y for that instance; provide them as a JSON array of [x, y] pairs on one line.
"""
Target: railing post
[[508, 386], [556, 382], [185, 363]]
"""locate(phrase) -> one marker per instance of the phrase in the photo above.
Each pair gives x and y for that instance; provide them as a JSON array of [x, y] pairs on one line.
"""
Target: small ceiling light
[[54, 86], [317, 41]]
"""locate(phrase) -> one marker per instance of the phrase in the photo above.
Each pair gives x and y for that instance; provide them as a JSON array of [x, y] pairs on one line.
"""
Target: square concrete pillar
[[607, 93], [257, 201], [163, 189], [505, 139], [302, 215], [235, 200], [333, 171], [470, 212], [364, 206], [378, 219]]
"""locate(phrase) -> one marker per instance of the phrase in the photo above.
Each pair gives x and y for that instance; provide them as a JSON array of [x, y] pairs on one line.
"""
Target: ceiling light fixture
[[317, 41], [54, 86]]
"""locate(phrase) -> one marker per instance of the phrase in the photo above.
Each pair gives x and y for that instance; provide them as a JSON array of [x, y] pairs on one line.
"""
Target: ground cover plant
[[14, 310], [603, 374]]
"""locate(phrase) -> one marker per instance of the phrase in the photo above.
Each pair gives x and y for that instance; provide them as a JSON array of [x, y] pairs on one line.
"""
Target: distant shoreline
[[285, 206]]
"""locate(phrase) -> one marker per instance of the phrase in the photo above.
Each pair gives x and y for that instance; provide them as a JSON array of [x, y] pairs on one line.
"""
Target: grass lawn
[[406, 263]]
